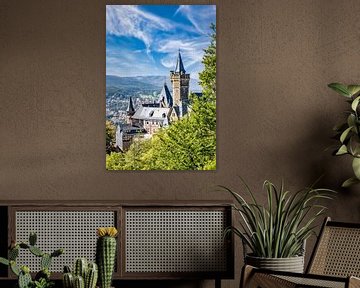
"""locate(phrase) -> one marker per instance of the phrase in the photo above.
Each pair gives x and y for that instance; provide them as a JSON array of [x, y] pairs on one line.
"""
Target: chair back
[[337, 251]]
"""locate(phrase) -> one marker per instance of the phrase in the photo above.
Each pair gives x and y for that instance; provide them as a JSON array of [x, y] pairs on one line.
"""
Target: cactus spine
[[106, 254]]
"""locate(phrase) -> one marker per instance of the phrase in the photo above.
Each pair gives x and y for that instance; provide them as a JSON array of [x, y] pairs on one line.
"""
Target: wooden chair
[[334, 263]]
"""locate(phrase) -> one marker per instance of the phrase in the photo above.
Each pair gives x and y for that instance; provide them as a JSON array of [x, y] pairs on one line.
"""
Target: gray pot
[[291, 264]]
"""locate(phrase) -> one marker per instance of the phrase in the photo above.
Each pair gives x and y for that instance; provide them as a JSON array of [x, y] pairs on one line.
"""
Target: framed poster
[[160, 87]]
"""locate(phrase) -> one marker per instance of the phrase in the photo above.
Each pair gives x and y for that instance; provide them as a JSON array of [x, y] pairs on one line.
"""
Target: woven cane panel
[[175, 241], [74, 231], [338, 253], [308, 282]]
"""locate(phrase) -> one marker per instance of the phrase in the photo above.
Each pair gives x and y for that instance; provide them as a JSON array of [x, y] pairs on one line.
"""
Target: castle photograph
[[160, 87]]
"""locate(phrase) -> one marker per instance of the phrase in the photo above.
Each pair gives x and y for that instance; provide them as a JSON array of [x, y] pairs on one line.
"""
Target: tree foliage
[[110, 136], [187, 144]]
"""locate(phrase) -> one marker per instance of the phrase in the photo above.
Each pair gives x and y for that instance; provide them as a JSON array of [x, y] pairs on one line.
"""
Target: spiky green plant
[[279, 229], [348, 132], [84, 273], [106, 254], [42, 278]]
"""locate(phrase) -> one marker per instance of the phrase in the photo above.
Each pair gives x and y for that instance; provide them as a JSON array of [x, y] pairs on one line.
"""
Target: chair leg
[[217, 283], [246, 273]]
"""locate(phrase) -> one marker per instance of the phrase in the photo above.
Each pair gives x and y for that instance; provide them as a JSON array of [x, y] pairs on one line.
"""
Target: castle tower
[[165, 98], [180, 83]]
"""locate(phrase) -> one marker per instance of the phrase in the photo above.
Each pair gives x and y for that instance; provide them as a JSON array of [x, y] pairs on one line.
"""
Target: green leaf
[[355, 103], [353, 89], [340, 88], [4, 261], [356, 167], [354, 145], [345, 134], [342, 150], [351, 120], [349, 182]]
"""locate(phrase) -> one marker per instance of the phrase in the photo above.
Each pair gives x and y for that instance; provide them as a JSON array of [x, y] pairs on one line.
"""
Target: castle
[[150, 117]]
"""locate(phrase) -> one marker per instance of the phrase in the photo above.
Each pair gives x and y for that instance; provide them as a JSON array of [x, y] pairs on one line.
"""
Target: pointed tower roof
[[130, 109], [165, 97], [179, 68]]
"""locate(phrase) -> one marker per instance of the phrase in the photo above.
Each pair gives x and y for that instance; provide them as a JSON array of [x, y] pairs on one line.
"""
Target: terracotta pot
[[291, 264]]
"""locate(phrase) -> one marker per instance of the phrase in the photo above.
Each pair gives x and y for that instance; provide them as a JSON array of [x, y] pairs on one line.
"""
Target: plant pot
[[291, 264]]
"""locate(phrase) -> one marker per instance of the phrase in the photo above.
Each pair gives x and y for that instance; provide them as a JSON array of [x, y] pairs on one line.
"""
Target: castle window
[[163, 115], [151, 113]]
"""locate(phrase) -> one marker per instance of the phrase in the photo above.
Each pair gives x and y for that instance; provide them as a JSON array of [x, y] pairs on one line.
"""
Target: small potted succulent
[[275, 233], [348, 132]]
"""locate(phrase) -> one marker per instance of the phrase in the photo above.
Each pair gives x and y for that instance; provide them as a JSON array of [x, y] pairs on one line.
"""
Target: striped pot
[[291, 264]]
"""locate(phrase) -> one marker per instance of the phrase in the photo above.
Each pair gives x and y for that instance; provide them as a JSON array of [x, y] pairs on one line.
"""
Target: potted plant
[[276, 233], [348, 132], [42, 278]]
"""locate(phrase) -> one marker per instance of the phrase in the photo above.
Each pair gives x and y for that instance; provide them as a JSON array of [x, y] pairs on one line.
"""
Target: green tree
[[115, 161], [208, 75], [110, 136]]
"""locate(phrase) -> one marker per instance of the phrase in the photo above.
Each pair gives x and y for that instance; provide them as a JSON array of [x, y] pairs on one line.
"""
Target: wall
[[275, 113]]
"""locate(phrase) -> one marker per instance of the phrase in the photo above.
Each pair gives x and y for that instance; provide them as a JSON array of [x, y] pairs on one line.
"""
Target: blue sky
[[144, 40]]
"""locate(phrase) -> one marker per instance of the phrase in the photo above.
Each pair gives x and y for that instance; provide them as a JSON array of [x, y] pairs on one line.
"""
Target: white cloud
[[191, 51], [130, 20], [200, 16]]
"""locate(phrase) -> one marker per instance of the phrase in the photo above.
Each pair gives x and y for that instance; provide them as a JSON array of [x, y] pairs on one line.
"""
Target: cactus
[[91, 276], [68, 280], [105, 254], [81, 267], [24, 246], [14, 268], [67, 269], [57, 252], [24, 278], [45, 261], [44, 273], [13, 253], [79, 282], [36, 251], [32, 238]]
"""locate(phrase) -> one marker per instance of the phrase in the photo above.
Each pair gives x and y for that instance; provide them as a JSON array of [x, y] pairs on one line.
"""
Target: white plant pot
[[291, 264]]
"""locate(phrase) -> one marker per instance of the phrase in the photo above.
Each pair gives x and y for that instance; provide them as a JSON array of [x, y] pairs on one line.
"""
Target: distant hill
[[131, 82], [150, 84]]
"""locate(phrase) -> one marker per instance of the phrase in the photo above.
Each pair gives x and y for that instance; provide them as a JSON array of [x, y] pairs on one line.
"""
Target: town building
[[147, 119]]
